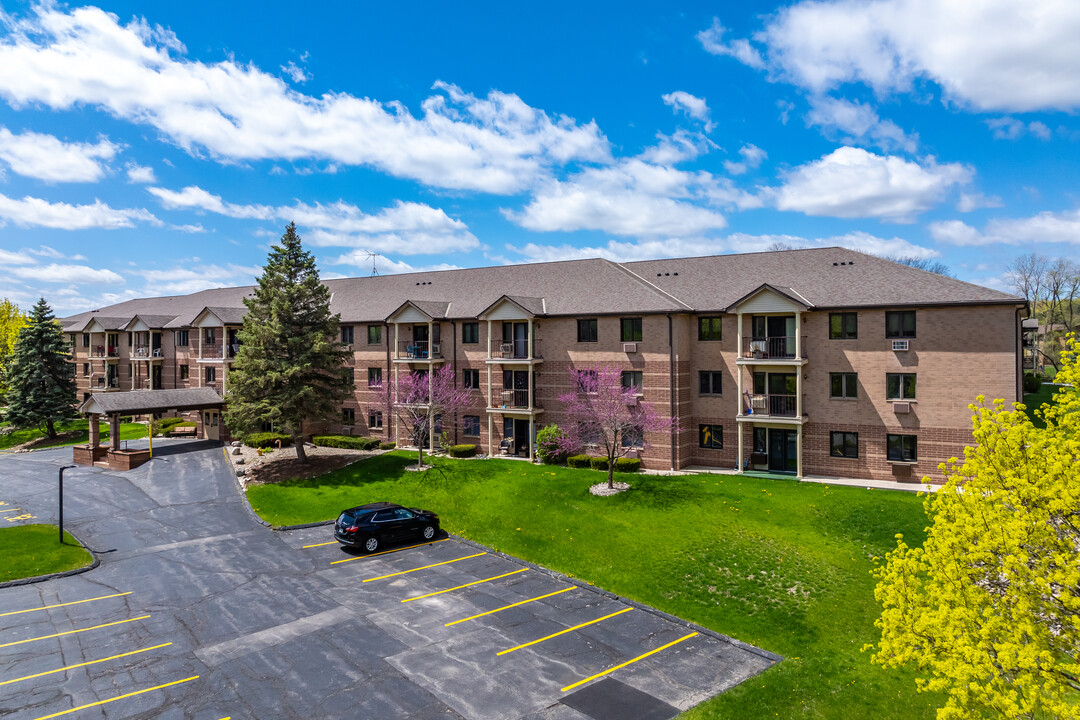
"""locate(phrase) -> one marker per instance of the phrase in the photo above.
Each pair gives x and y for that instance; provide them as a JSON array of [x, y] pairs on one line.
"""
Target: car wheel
[[371, 544], [429, 532]]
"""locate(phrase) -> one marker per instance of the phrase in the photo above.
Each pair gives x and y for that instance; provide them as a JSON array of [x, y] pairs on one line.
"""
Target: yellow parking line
[[386, 552], [121, 697], [475, 582], [74, 602], [563, 632], [405, 572], [305, 547], [84, 664], [72, 632], [507, 607], [628, 662]]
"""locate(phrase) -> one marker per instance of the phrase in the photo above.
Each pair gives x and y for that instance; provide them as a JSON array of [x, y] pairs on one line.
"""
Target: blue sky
[[150, 150]]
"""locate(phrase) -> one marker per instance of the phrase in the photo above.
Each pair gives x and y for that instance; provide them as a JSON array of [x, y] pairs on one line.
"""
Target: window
[[761, 440], [631, 329], [901, 448], [470, 378], [209, 336], [900, 386], [843, 326], [900, 324], [470, 333], [347, 334], [709, 329], [374, 334], [211, 374], [586, 330], [633, 437], [375, 420], [844, 444], [586, 381], [86, 369], [709, 382], [711, 436], [184, 372], [374, 377], [843, 385], [631, 379], [472, 426], [86, 340], [348, 416], [181, 338]]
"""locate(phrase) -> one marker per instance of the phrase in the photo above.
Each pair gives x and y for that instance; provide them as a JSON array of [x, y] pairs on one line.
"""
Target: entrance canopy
[[138, 402]]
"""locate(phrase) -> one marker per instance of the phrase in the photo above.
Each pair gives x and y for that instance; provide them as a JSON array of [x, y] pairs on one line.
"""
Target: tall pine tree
[[290, 366], [40, 380]]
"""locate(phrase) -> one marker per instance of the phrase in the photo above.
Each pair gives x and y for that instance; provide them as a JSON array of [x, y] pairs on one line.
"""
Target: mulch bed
[[281, 465]]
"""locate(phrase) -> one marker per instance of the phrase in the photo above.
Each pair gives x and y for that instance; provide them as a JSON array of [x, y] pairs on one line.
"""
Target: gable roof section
[[144, 401], [784, 292], [529, 306]]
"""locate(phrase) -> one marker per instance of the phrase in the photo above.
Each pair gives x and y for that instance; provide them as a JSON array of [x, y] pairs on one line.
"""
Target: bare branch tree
[[920, 263]]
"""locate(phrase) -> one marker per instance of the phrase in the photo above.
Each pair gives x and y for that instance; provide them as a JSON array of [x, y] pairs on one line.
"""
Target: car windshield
[[349, 519]]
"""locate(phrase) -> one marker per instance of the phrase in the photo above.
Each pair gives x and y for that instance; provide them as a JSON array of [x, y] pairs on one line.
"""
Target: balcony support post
[[798, 451], [739, 455], [529, 350], [798, 377], [491, 423], [198, 369], [532, 435]]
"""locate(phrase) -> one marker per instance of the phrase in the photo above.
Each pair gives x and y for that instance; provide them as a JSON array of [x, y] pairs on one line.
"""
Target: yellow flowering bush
[[988, 610]]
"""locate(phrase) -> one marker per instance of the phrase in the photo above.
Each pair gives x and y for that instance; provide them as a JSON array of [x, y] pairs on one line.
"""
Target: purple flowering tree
[[603, 414], [420, 397]]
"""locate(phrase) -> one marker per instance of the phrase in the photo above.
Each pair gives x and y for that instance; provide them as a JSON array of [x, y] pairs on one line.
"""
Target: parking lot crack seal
[[230, 649]]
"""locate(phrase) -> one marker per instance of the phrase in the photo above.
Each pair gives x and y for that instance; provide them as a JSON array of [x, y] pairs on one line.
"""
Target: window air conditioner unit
[[901, 407], [899, 345], [629, 347]]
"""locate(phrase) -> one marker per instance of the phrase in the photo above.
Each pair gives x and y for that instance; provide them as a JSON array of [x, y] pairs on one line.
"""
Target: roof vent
[[835, 264], [675, 273], [666, 274]]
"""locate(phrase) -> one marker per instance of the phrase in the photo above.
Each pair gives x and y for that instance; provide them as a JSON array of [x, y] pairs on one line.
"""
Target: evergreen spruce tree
[[39, 378], [290, 366]]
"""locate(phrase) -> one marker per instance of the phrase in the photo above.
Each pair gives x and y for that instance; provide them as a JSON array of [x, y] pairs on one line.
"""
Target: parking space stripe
[[305, 547], [405, 572], [475, 582], [84, 664], [507, 607], [387, 552], [73, 602], [72, 632], [628, 662], [121, 697], [563, 632]]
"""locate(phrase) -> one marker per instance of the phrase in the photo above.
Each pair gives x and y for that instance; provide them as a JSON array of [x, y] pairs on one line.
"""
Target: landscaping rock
[[236, 450], [603, 490], [241, 471], [236, 443], [239, 461]]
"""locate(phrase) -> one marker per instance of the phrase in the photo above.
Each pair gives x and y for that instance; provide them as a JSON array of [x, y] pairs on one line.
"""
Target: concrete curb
[[54, 576], [626, 601], [251, 510]]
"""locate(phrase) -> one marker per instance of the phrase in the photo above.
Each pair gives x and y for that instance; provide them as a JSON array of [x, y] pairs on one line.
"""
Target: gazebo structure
[[113, 405]]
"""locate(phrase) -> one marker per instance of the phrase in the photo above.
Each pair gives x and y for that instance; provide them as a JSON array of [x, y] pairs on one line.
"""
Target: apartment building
[[810, 362]]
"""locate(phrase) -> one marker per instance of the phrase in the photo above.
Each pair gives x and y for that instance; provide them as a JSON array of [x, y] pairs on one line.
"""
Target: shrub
[[1032, 383], [598, 463], [266, 440], [627, 465], [387, 446], [348, 442], [547, 445], [164, 425], [462, 451], [578, 461], [126, 419]]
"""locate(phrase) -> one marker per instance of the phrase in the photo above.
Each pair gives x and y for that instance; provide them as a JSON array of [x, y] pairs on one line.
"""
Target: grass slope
[[31, 550], [777, 563], [128, 431]]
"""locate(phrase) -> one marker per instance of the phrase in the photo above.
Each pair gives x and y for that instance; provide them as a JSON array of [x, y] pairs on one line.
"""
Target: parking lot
[[197, 611]]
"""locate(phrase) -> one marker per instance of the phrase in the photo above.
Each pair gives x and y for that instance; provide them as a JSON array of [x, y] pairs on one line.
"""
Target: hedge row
[[462, 451], [624, 465], [266, 440], [164, 425], [348, 442], [387, 446]]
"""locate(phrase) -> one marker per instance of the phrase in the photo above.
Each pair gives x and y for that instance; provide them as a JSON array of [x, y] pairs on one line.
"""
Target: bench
[[190, 431]]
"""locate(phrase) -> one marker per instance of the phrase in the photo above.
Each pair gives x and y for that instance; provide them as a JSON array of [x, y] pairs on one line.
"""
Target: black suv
[[376, 524]]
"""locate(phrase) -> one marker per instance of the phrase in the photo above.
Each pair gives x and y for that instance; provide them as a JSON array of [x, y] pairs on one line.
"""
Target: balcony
[[515, 351], [102, 351], [780, 347], [145, 352], [773, 406], [516, 400], [105, 384], [408, 350]]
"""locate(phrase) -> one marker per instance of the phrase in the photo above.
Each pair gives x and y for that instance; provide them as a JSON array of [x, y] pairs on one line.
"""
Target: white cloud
[[1008, 128], [974, 201], [495, 144], [406, 227], [853, 121], [8, 257], [48, 158], [184, 280], [751, 155], [676, 148], [740, 49], [295, 72], [1039, 130], [140, 174], [992, 55], [55, 273], [35, 212], [385, 266], [692, 105], [1045, 227], [853, 183]]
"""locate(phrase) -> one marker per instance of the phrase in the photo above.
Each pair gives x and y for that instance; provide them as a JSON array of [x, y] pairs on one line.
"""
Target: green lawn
[[777, 563], [31, 550], [128, 431], [1033, 401]]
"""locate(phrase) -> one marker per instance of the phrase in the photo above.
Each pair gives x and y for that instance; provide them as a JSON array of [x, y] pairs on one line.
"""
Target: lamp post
[[61, 492]]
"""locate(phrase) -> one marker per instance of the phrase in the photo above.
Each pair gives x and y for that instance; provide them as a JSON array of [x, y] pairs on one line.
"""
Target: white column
[[198, 367], [532, 437], [738, 368], [798, 334], [799, 373], [529, 341], [224, 343], [738, 432], [491, 428], [489, 342], [529, 380], [431, 387], [798, 451], [396, 346]]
